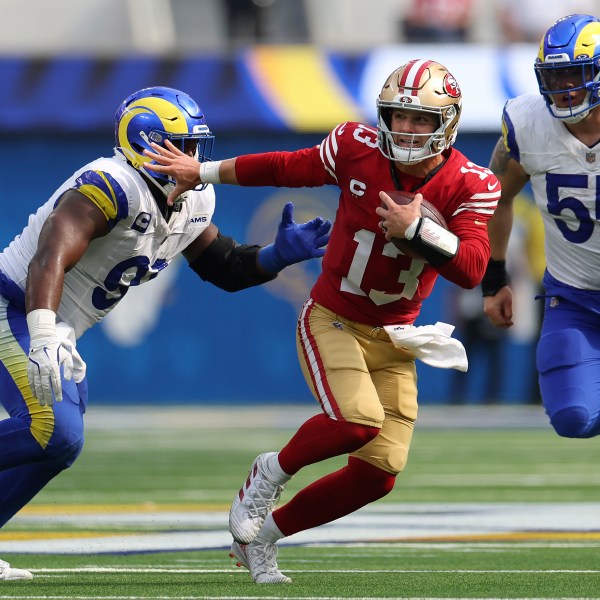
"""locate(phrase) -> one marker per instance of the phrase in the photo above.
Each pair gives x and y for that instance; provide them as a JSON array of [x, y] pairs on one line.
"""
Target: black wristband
[[495, 277]]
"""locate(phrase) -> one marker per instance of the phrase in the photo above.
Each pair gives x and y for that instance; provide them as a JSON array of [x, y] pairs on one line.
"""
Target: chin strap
[[575, 118]]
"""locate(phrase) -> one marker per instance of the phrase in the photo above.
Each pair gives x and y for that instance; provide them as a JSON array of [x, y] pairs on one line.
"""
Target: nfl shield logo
[[590, 157]]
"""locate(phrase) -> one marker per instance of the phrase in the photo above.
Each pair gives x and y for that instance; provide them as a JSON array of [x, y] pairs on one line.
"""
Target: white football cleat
[[255, 500], [260, 558], [8, 573]]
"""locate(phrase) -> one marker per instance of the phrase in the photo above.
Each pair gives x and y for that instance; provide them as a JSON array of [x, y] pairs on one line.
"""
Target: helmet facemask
[[413, 147], [556, 79], [421, 86]]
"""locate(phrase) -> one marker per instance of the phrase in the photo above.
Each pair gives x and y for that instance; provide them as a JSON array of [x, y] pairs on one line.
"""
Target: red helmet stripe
[[412, 75]]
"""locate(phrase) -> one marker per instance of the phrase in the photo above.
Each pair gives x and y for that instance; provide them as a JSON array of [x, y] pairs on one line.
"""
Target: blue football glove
[[294, 243]]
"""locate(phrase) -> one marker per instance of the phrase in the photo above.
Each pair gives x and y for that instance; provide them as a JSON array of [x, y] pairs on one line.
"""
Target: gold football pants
[[357, 375]]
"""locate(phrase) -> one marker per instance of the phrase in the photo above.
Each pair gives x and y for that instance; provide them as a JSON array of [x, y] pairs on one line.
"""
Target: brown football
[[427, 210]]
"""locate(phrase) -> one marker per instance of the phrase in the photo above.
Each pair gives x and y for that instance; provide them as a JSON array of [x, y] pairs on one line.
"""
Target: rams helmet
[[419, 85], [156, 114], [569, 60]]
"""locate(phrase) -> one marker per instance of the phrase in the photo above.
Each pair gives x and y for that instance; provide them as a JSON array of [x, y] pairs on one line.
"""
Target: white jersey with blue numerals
[[565, 179], [140, 243]]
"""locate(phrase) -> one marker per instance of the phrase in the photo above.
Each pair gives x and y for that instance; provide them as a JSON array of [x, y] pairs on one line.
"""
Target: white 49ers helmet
[[419, 85]]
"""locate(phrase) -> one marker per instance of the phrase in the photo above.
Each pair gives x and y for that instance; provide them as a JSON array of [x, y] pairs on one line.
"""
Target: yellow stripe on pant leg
[[15, 361]]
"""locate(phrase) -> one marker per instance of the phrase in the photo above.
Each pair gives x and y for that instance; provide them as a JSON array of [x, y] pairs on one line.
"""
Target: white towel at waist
[[432, 344]]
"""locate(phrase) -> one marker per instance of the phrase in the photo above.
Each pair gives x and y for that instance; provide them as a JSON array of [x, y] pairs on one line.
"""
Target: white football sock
[[275, 472], [269, 532]]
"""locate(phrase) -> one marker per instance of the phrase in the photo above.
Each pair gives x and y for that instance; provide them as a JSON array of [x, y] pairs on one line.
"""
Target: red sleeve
[[302, 168], [469, 223], [467, 268]]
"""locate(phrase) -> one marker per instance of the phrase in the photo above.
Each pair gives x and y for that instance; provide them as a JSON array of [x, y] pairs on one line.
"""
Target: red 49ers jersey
[[365, 278]]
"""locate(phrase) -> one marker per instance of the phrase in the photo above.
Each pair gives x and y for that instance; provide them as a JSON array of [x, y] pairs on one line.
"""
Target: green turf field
[[173, 477]]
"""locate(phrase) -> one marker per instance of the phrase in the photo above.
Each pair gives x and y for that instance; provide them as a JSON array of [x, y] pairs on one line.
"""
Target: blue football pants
[[568, 363], [36, 442]]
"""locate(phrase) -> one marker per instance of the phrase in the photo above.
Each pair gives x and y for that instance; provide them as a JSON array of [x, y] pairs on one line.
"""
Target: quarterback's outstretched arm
[[186, 170]]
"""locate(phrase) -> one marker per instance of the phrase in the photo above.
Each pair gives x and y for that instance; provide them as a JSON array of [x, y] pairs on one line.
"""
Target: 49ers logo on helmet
[[450, 86]]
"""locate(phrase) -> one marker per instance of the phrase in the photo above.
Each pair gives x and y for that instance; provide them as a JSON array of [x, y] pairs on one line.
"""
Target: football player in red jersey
[[365, 385]]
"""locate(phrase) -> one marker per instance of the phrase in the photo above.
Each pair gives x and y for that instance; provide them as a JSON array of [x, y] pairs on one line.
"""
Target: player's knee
[[66, 443], [71, 452], [379, 482], [397, 459], [572, 422], [393, 460], [560, 357], [65, 451]]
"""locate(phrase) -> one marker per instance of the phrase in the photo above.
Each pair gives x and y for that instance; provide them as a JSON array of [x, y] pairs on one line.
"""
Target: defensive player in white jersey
[[553, 141], [366, 387], [108, 227]]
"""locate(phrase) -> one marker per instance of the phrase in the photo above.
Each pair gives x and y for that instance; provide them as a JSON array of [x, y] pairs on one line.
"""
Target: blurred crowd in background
[[158, 26]]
